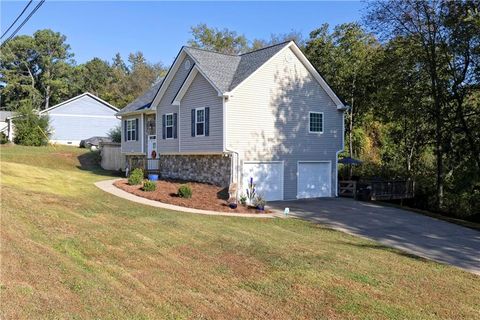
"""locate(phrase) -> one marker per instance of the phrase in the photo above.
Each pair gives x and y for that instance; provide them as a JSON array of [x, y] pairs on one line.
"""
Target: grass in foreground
[[68, 250]]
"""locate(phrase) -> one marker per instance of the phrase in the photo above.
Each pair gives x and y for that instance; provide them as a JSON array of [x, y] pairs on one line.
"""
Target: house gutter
[[225, 98], [343, 109]]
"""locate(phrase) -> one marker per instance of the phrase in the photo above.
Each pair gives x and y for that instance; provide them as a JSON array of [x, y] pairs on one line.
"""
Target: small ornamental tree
[[115, 134], [31, 129]]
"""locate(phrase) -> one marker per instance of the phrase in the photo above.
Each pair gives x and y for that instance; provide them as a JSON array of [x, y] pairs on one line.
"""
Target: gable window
[[200, 122], [169, 125], [315, 122], [131, 130]]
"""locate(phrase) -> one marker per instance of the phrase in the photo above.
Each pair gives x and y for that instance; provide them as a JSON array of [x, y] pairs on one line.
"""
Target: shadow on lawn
[[385, 248], [90, 161]]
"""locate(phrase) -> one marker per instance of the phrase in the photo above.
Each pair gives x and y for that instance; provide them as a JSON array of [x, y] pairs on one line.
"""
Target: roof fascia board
[[188, 81], [78, 97], [168, 78], [186, 84], [199, 68], [134, 113]]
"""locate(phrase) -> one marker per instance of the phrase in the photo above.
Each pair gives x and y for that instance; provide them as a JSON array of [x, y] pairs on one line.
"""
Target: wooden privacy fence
[[112, 158]]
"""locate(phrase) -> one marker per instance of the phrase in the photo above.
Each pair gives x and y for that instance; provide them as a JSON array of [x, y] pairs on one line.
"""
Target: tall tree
[[346, 57], [18, 73], [279, 38], [447, 42], [52, 58], [94, 76], [225, 41]]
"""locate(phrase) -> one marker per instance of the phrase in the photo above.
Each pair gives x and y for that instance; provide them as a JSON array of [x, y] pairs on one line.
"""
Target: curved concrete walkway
[[107, 186]]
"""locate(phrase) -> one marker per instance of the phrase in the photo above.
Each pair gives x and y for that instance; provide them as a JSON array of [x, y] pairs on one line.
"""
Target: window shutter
[[164, 126], [193, 122], [175, 126], [136, 129], [207, 121], [124, 130]]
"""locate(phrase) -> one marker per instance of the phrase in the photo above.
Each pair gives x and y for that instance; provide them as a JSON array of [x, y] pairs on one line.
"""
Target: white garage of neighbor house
[[80, 118]]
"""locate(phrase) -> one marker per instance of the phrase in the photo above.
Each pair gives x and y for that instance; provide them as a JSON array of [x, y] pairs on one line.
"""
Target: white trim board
[[82, 115], [78, 97]]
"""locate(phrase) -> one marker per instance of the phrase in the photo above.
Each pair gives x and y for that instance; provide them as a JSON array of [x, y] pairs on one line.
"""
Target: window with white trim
[[169, 125], [315, 122], [200, 121], [131, 130]]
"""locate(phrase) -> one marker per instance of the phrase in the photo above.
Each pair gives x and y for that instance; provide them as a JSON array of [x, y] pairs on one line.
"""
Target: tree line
[[39, 71], [410, 73]]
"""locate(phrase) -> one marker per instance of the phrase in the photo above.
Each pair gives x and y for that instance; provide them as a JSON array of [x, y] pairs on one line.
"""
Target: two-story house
[[266, 115]]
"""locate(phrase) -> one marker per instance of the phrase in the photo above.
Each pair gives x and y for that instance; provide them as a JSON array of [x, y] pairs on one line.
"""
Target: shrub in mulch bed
[[149, 186], [184, 191], [204, 196], [136, 177]]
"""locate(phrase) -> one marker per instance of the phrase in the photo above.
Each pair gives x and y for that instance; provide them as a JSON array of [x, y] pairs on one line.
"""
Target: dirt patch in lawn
[[204, 196]]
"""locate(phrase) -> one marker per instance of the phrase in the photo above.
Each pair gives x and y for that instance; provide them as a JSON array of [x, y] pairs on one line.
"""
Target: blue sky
[[159, 29]]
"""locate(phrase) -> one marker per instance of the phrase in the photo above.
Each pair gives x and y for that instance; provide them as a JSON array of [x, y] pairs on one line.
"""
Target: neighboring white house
[[80, 118], [266, 115], [6, 124]]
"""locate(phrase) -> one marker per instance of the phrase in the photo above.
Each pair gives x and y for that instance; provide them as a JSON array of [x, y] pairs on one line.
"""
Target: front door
[[152, 155]]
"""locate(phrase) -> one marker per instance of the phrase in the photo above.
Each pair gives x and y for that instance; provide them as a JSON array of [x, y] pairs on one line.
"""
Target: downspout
[[341, 150], [234, 171], [178, 129]]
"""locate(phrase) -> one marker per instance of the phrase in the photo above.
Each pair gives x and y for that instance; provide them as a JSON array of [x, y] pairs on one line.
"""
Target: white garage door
[[314, 180], [267, 176]]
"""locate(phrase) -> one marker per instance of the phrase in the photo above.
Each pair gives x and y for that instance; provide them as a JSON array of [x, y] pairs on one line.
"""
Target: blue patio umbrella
[[349, 160]]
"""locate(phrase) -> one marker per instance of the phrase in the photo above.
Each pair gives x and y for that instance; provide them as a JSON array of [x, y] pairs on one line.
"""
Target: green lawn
[[71, 251]]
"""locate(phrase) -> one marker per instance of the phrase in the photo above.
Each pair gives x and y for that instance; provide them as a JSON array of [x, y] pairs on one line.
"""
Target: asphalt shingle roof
[[251, 61], [144, 101], [228, 71], [219, 68], [224, 70]]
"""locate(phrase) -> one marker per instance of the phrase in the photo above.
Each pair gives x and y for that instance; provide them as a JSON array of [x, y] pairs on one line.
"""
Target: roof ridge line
[[211, 51], [273, 45]]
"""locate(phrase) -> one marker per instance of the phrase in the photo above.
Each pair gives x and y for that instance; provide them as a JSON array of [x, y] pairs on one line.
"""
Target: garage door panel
[[314, 180], [267, 177]]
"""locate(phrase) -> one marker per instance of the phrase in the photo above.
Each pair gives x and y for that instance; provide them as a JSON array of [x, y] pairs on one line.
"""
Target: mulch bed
[[204, 196]]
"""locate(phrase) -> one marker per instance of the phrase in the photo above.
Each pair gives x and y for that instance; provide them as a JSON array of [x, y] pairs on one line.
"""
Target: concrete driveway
[[414, 233]]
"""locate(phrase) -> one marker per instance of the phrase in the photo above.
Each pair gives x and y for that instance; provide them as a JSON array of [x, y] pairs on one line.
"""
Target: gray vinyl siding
[[80, 119], [133, 147], [201, 94], [268, 119], [165, 106]]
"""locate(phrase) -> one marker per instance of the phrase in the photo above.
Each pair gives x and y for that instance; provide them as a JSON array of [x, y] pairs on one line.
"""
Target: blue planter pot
[[232, 205], [153, 177]]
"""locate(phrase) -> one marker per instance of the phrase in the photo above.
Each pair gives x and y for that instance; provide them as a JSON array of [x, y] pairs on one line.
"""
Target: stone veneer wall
[[214, 169]]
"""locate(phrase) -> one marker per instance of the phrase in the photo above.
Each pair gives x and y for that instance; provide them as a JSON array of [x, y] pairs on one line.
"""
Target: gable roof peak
[[281, 44]]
